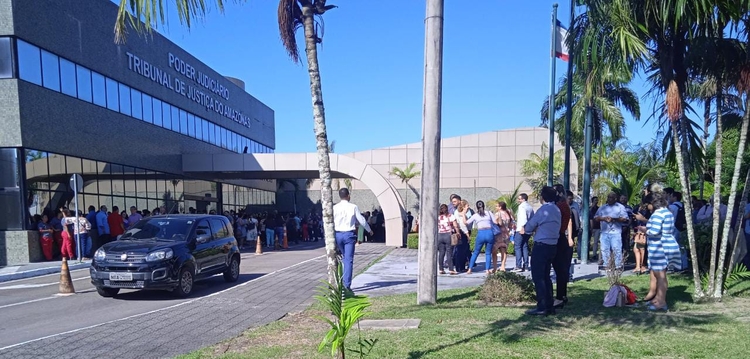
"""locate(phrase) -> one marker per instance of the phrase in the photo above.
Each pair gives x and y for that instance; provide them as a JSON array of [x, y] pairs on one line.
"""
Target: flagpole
[[569, 104], [551, 120]]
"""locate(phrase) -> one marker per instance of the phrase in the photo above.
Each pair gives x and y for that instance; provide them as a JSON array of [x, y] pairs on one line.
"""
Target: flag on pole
[[561, 48]]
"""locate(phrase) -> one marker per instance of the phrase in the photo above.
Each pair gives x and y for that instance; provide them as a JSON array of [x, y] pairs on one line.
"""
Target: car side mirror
[[202, 238]]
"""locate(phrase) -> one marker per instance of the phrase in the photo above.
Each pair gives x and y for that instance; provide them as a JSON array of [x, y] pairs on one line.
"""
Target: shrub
[[507, 288], [412, 241]]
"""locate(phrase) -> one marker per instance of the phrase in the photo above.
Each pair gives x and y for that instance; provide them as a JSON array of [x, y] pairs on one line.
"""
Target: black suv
[[169, 253]]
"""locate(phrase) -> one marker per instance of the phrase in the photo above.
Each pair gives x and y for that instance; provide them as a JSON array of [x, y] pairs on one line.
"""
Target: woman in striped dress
[[663, 252]]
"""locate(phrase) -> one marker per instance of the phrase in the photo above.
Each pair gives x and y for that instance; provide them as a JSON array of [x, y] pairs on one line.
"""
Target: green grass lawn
[[461, 327]]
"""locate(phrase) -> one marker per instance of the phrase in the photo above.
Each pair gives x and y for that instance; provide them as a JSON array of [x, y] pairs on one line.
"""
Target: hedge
[[412, 242]]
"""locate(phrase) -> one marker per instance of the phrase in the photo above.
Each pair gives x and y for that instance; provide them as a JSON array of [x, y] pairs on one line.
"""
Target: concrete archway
[[233, 166]]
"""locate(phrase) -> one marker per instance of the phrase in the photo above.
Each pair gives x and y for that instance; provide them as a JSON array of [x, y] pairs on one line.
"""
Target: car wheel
[[107, 292], [232, 274], [186, 282]]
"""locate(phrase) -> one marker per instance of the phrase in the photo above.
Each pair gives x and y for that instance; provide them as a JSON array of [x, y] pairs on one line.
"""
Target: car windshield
[[175, 229]]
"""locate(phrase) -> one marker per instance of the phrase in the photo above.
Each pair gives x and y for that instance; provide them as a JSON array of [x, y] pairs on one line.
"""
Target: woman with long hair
[[459, 224], [504, 219], [445, 248], [483, 220], [663, 251]]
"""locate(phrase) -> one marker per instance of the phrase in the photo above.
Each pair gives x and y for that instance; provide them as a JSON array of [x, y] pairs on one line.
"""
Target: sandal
[[442, 272], [453, 272], [637, 271]]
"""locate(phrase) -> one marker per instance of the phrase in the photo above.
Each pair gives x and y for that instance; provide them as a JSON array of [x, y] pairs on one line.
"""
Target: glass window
[[135, 103], [157, 112], [6, 58], [206, 133], [148, 110], [124, 93], [212, 133], [105, 182], [83, 77], [176, 119], [29, 62], [184, 123], [222, 137], [99, 89], [166, 110], [50, 71], [112, 95], [68, 77], [191, 125], [218, 228], [198, 128], [129, 179]]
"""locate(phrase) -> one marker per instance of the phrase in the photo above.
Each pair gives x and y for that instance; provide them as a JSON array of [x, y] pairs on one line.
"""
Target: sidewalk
[[397, 274], [29, 270]]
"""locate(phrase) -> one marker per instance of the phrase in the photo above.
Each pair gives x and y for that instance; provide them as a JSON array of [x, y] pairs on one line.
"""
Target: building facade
[[121, 116], [479, 166]]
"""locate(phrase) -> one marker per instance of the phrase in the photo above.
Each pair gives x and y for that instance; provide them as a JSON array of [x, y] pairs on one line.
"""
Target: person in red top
[[116, 224], [564, 248]]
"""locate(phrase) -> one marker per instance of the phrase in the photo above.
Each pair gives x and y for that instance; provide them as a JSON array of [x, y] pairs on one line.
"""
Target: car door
[[203, 248], [220, 233]]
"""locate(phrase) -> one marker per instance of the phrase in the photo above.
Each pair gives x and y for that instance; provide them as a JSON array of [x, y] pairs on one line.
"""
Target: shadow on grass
[[585, 308]]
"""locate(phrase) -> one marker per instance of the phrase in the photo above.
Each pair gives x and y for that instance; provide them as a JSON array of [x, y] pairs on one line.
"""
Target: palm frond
[[145, 15]]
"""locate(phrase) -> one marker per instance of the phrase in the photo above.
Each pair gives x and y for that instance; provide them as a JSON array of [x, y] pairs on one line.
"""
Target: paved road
[[34, 323]]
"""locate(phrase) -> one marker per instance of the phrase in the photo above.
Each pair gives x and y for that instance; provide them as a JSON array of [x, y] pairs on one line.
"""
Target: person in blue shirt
[[545, 224], [102, 226]]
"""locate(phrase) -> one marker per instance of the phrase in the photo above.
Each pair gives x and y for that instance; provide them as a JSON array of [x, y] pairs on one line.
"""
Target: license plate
[[121, 276]]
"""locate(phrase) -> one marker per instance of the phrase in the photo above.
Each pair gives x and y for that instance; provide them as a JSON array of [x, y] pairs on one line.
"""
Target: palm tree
[[406, 175], [292, 15], [535, 168], [510, 199], [608, 105]]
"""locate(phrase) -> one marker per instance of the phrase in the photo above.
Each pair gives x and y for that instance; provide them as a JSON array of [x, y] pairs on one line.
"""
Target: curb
[[39, 272]]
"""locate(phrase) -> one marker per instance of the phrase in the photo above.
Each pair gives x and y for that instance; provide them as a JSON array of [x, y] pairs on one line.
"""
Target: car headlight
[[100, 255], [160, 255]]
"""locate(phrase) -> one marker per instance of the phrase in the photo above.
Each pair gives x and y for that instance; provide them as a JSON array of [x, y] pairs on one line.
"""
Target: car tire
[[107, 292], [232, 273], [185, 283]]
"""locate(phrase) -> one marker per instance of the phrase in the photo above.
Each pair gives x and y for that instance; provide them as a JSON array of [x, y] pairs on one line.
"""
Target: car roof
[[191, 216]]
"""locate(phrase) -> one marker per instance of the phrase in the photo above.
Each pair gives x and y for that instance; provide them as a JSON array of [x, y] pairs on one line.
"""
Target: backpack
[[681, 221]]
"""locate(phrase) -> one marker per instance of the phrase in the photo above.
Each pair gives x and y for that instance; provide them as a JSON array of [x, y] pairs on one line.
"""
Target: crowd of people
[[652, 228]]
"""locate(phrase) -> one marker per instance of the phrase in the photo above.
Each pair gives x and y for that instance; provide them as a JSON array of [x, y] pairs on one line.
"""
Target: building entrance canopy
[[302, 165]]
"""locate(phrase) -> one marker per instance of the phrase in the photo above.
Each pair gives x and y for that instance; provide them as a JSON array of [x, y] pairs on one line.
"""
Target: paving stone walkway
[[198, 323]]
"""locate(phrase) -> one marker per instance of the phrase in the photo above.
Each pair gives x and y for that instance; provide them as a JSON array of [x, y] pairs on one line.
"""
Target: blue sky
[[496, 68]]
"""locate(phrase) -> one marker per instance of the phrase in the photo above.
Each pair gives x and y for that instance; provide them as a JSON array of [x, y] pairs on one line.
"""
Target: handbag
[[495, 227], [454, 239]]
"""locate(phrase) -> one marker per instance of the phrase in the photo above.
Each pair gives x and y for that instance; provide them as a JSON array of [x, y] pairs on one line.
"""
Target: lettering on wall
[[200, 88]]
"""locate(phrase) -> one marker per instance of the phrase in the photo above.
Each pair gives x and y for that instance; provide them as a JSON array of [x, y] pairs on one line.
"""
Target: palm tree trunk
[[321, 137], [717, 196], [698, 289], [739, 227], [718, 290], [704, 142]]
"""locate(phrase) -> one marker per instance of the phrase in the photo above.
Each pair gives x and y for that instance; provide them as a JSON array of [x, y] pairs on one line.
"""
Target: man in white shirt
[[521, 239], [345, 215]]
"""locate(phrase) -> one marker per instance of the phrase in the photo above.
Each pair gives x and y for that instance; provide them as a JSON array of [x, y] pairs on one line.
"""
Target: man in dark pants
[[546, 228], [521, 239], [564, 247], [345, 215]]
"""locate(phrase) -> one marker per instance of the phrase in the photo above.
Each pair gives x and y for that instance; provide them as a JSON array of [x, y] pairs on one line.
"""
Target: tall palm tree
[[608, 105], [405, 175], [142, 15]]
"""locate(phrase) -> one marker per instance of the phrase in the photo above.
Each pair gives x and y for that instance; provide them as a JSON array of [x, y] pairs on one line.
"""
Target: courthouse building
[[122, 116]]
